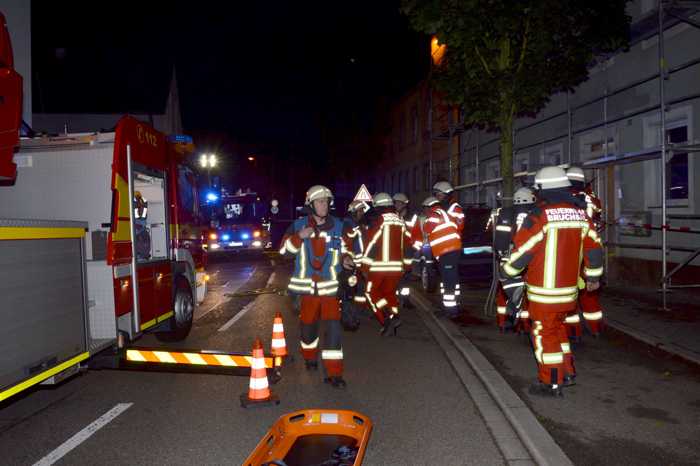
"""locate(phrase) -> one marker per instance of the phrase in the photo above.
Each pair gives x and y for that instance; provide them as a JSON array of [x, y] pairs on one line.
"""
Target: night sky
[[258, 71]]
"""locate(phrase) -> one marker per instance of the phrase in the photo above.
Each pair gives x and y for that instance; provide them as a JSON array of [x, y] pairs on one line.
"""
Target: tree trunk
[[506, 125]]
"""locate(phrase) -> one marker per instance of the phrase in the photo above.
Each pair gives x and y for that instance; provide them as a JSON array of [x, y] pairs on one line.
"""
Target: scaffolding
[[668, 14]]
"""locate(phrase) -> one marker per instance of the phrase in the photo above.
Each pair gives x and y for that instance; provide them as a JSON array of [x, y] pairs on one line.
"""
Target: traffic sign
[[363, 194]]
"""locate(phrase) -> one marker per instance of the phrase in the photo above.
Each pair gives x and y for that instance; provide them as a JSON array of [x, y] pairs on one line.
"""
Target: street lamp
[[251, 158], [208, 161]]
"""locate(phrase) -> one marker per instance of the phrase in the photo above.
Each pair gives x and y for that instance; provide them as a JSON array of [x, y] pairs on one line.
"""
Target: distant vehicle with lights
[[239, 222]]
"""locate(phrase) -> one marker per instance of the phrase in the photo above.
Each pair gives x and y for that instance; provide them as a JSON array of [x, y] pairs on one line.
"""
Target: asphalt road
[[420, 409]]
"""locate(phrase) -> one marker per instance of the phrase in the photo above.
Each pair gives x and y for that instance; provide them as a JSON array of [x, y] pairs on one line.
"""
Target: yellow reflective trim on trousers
[[501, 310], [597, 272], [536, 329], [552, 291], [43, 376], [552, 299], [552, 358], [593, 315], [566, 348], [550, 260]]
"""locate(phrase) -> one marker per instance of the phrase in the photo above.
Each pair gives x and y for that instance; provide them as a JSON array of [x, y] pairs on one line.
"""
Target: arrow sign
[[363, 194]]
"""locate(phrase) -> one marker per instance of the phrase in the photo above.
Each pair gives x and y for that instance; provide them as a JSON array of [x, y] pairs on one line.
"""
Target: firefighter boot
[[545, 390], [311, 365], [336, 381], [391, 325]]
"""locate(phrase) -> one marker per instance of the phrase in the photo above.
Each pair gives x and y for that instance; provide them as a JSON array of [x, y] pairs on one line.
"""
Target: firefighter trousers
[[522, 323], [591, 309], [327, 309], [550, 342], [381, 294], [448, 264]]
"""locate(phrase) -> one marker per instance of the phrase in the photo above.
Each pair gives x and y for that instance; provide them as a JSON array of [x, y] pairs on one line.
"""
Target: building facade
[[610, 125]]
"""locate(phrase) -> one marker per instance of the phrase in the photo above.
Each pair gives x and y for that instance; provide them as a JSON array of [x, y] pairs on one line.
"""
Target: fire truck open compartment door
[[70, 180], [43, 301]]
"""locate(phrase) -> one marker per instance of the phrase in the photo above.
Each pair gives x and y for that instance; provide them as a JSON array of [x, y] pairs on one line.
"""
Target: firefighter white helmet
[[401, 197], [551, 178], [382, 200], [430, 201], [318, 192], [524, 196], [576, 174], [443, 187]]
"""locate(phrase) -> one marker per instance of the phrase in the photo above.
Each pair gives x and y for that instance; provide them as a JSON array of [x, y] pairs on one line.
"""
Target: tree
[[505, 58]]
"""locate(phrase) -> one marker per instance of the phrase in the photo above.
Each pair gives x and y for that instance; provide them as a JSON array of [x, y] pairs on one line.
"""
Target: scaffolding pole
[[662, 119]]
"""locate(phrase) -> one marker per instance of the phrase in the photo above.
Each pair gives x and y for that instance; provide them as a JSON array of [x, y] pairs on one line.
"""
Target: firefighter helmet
[[430, 201], [401, 197], [358, 206], [318, 192], [551, 178], [524, 196], [443, 187], [382, 200], [576, 174]]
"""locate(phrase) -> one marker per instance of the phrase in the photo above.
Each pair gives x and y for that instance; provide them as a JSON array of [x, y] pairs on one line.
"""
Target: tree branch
[[483, 62], [524, 45]]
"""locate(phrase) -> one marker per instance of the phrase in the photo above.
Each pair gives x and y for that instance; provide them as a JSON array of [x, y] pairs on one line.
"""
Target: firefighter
[[143, 236], [445, 194], [401, 202], [507, 221], [385, 261], [446, 247], [352, 285], [401, 205], [321, 252], [548, 251], [589, 301]]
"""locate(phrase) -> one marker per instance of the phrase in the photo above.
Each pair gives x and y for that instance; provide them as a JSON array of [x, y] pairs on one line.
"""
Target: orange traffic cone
[[279, 344], [259, 390]]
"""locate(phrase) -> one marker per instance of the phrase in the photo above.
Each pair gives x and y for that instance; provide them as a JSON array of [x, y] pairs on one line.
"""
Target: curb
[[541, 446]]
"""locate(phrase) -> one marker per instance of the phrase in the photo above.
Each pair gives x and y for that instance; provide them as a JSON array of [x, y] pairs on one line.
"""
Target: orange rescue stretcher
[[314, 437]]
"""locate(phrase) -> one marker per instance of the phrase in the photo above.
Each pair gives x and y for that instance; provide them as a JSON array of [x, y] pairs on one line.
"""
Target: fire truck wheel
[[183, 307], [427, 279]]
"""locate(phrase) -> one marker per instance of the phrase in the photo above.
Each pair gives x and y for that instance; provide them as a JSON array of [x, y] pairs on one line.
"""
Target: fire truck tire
[[183, 307], [428, 279]]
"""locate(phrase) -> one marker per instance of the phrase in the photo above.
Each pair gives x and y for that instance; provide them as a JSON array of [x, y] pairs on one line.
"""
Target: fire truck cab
[[239, 223], [101, 240]]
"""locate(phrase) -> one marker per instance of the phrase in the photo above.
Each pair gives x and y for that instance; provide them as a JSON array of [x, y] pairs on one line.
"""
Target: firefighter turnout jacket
[[318, 258], [388, 245], [550, 236], [455, 212], [444, 235]]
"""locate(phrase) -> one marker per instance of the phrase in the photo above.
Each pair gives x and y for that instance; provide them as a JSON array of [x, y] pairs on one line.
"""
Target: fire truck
[[239, 223], [101, 240]]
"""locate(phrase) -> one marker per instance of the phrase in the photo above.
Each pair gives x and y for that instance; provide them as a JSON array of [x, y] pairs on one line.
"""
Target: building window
[[551, 155], [414, 124], [521, 163], [677, 167]]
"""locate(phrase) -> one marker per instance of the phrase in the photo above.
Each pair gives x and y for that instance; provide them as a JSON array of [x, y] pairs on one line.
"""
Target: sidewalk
[[632, 404], [637, 312]]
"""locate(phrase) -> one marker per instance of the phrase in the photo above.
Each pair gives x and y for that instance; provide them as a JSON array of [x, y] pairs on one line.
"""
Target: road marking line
[[224, 300], [83, 435], [240, 314]]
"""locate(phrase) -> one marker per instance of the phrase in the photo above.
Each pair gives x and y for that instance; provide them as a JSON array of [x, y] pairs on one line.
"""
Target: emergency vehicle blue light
[[211, 197], [226, 237], [245, 235]]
